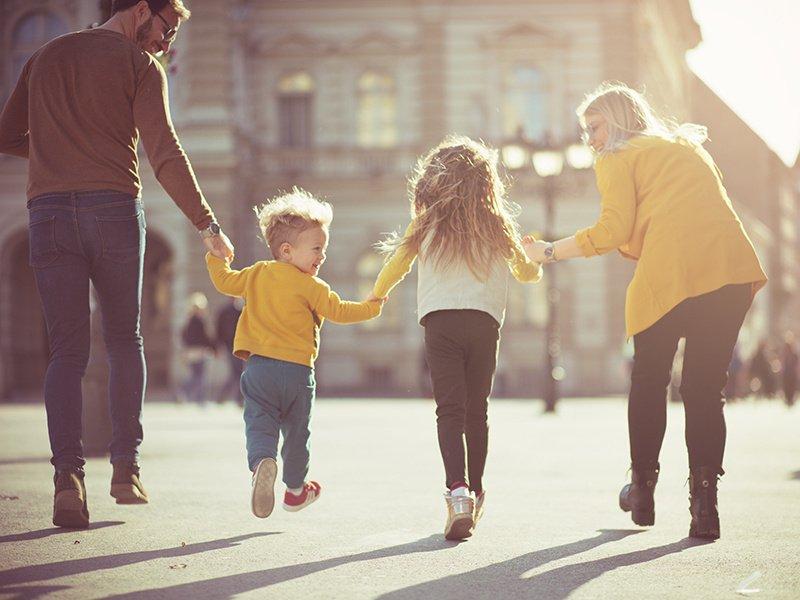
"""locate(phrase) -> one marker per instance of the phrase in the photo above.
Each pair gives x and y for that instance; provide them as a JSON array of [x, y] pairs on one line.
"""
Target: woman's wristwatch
[[210, 231], [550, 253]]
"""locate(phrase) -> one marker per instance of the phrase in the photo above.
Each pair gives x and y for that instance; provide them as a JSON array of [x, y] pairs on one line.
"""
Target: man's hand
[[374, 298], [534, 249], [220, 246]]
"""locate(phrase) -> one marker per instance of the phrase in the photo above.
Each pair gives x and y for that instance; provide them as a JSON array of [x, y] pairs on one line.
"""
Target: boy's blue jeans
[[278, 396], [75, 238]]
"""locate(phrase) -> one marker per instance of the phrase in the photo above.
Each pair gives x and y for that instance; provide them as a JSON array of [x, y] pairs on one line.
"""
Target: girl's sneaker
[[479, 497], [263, 496], [293, 503], [460, 515]]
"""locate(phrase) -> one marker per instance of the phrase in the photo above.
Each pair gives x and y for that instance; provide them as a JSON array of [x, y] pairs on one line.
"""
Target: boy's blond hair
[[458, 199], [283, 218]]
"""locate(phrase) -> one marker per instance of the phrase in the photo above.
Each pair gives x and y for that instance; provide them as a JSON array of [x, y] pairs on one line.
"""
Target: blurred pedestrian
[[77, 112], [664, 205], [197, 348], [760, 380], [227, 319], [789, 360]]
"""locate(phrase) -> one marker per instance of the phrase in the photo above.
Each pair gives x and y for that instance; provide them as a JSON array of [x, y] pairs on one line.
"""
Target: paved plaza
[[552, 528]]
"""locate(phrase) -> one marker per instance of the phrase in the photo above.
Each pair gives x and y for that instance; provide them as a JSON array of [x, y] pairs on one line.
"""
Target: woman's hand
[[534, 249]]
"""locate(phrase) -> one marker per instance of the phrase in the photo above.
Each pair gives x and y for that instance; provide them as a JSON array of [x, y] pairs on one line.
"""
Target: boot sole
[[262, 501], [68, 510], [127, 493], [460, 528], [706, 529]]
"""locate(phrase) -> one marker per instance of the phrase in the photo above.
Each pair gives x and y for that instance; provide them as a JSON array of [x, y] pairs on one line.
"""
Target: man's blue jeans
[[278, 396], [75, 238]]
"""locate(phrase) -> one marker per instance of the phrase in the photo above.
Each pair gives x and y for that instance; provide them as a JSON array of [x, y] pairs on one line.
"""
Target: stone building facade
[[340, 97]]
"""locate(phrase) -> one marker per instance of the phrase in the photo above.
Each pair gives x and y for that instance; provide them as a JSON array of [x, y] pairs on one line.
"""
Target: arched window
[[525, 102], [295, 102], [30, 33], [377, 110]]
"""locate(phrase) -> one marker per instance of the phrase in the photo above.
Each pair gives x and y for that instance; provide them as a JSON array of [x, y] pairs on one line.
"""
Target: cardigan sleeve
[[617, 207], [395, 270]]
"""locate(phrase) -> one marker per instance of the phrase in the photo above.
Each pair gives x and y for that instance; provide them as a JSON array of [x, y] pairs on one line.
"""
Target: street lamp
[[548, 161]]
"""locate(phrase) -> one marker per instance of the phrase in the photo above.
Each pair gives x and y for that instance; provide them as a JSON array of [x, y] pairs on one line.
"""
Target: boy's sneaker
[[69, 500], [263, 497], [293, 503], [126, 486], [479, 497], [460, 514]]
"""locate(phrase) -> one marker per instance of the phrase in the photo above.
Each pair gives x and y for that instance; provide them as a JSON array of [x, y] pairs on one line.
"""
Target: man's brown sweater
[[77, 111]]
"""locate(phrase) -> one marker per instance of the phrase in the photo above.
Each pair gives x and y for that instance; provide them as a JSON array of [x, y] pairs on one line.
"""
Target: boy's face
[[308, 251]]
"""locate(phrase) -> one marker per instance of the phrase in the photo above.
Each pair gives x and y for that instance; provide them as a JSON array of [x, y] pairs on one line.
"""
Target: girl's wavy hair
[[628, 114], [458, 199]]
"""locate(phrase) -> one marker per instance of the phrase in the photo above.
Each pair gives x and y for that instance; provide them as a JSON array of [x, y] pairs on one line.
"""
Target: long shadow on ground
[[78, 566], [43, 533], [449, 587], [504, 580], [230, 585]]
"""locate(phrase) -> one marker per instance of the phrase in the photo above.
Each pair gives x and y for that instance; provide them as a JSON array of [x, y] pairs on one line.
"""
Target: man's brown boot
[[69, 500], [126, 486]]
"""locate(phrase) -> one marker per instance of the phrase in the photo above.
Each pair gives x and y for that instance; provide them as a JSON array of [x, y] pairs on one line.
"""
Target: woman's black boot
[[637, 496], [703, 503]]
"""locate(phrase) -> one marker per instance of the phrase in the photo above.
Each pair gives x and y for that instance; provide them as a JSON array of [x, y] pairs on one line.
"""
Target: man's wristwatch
[[210, 231], [550, 253]]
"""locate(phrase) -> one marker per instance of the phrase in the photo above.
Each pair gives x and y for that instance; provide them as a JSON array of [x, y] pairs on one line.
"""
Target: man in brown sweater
[[81, 103]]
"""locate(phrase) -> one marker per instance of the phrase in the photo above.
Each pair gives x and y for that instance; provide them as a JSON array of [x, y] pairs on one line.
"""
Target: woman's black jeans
[[461, 350], [76, 238], [710, 323]]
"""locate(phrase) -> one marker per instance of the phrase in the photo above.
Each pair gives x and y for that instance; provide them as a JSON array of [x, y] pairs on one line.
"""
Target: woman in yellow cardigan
[[663, 204]]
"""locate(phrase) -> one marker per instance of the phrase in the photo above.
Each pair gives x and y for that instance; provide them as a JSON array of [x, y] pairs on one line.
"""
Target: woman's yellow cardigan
[[664, 205]]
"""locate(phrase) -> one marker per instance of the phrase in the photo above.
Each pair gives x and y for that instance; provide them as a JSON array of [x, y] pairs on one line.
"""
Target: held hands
[[374, 298], [534, 249], [220, 246]]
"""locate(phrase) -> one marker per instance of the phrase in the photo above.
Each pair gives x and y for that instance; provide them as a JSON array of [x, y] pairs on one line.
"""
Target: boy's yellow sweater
[[284, 309]]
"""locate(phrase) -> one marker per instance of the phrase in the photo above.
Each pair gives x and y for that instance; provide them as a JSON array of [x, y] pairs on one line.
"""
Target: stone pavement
[[552, 527]]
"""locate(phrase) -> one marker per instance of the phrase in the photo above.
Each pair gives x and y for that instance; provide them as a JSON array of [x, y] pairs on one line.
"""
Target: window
[[525, 103], [377, 111], [295, 101], [30, 33]]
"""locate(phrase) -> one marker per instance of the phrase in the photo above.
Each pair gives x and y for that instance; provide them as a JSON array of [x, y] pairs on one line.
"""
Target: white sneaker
[[263, 497], [460, 519]]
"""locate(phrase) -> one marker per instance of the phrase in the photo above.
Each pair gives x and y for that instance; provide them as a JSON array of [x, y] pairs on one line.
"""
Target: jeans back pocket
[[42, 242], [121, 237]]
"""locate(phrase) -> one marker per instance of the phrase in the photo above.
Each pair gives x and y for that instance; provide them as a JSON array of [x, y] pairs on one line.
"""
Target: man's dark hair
[[155, 6]]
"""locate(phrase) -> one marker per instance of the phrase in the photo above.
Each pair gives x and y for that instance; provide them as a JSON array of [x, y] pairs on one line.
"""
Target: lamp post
[[548, 161]]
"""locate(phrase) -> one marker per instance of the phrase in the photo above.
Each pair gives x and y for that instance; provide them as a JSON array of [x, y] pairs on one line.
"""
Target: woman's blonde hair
[[458, 199], [285, 217], [628, 114]]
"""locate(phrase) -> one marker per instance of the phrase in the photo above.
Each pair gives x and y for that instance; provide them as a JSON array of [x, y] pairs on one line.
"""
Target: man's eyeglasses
[[170, 32]]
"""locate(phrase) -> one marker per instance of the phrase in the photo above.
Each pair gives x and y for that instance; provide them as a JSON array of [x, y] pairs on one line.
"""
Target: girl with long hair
[[463, 230]]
